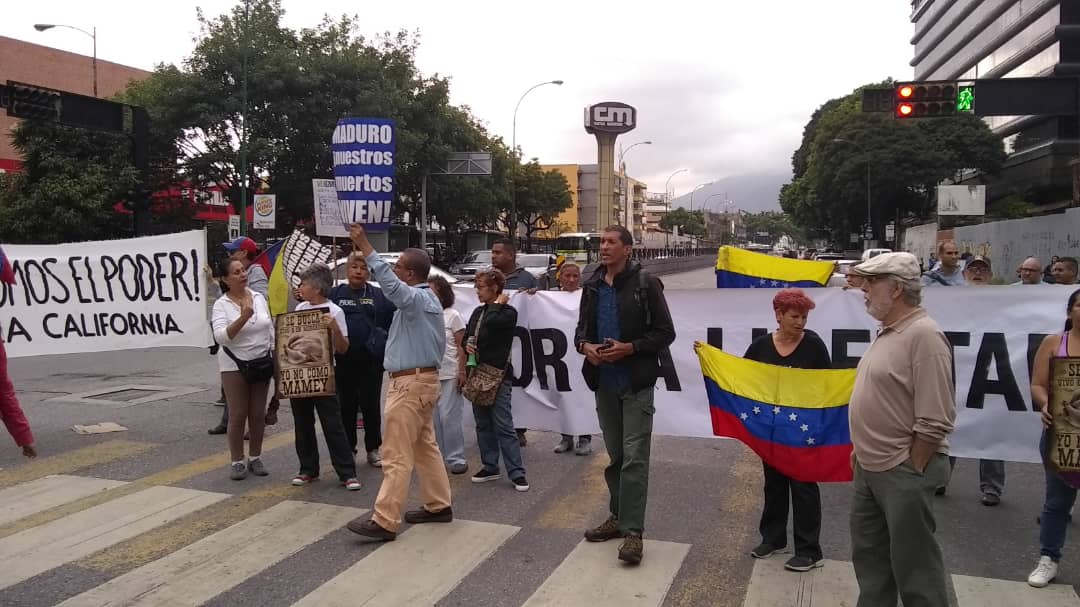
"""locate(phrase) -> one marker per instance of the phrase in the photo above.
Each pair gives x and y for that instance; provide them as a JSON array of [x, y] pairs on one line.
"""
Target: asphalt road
[[163, 522]]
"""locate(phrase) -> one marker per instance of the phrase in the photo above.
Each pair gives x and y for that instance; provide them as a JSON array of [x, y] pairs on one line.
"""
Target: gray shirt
[[519, 278], [257, 281], [937, 278], [417, 337]]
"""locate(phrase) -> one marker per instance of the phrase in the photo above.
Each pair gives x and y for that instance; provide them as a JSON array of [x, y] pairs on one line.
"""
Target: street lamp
[[93, 35], [667, 201], [622, 169], [866, 157], [696, 188], [514, 151]]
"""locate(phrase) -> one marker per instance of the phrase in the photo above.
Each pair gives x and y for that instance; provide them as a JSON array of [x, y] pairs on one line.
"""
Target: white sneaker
[[1044, 572]]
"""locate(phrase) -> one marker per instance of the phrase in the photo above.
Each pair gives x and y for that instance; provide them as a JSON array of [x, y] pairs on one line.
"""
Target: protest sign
[[363, 150], [305, 359], [1063, 443], [328, 218], [265, 211]]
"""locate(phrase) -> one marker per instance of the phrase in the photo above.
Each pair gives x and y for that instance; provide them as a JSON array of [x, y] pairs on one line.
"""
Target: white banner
[[327, 209], [995, 331], [106, 295], [265, 211]]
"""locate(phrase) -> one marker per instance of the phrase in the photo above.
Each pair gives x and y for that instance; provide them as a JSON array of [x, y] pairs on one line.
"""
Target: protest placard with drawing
[[305, 358]]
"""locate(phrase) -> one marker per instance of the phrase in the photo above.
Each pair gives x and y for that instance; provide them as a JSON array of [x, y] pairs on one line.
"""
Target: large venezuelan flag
[[739, 268], [272, 261], [796, 420]]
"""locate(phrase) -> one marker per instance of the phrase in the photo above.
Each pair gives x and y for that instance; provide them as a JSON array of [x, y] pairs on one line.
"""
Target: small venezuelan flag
[[277, 290], [796, 420], [741, 269]]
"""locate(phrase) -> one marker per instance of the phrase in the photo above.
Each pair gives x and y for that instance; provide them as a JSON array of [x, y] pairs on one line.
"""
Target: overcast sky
[[722, 88]]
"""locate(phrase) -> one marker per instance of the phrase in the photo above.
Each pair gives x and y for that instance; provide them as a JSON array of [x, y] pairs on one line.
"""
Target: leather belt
[[416, 371]]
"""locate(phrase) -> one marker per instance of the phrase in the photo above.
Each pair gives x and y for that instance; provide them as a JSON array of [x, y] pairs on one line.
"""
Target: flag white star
[[744, 416], [777, 283], [804, 427], [810, 441], [757, 410], [793, 417], [753, 286], [776, 410], [763, 282]]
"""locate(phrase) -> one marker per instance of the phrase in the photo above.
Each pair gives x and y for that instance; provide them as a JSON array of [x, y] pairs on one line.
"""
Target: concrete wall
[[921, 241], [678, 264], [1007, 243]]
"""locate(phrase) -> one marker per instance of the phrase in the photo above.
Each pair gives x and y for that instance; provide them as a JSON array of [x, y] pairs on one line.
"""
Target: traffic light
[[32, 102], [877, 100], [925, 99]]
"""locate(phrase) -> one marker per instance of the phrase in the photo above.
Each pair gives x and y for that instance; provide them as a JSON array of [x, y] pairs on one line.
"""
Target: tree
[[907, 158], [689, 222], [772, 223], [541, 197]]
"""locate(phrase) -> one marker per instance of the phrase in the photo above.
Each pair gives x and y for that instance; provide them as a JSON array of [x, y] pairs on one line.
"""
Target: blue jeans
[[447, 419], [495, 433], [1054, 520]]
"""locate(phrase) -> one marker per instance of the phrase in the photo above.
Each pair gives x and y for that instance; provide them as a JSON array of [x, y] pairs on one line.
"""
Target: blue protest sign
[[363, 151]]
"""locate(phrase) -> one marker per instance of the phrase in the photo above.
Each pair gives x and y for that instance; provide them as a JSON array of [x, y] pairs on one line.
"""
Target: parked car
[[869, 253], [840, 272], [473, 261], [340, 268], [536, 264]]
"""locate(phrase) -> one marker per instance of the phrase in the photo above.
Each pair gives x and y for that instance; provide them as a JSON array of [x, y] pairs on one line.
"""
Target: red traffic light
[[903, 110], [905, 92]]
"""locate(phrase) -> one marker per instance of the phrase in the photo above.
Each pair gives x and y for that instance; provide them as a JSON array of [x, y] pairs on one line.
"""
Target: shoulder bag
[[482, 384], [254, 371]]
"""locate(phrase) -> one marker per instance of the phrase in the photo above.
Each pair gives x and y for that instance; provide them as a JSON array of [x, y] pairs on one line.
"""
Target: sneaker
[[1045, 571], [608, 530], [631, 549], [303, 479], [566, 444], [218, 429], [417, 517], [370, 528], [352, 484], [764, 551], [374, 459], [522, 441], [484, 476], [803, 563], [990, 499], [256, 467], [520, 484], [238, 471], [459, 468], [584, 445]]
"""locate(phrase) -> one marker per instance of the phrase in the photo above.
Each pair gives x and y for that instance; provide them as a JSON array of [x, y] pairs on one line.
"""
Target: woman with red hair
[[791, 345]]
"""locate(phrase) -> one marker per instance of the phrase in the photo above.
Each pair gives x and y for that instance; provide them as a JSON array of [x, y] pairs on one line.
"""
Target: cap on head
[[242, 244], [901, 265], [979, 259]]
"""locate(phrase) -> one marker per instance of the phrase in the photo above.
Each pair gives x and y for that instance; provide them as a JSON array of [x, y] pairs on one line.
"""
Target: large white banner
[[106, 295], [995, 332]]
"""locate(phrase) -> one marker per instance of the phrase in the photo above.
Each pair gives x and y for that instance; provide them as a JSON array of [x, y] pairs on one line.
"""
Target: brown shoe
[[416, 517], [631, 549], [607, 531], [369, 528]]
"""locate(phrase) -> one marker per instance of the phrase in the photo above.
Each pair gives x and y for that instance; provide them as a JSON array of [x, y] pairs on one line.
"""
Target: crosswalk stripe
[[984, 592], [48, 492], [423, 565], [773, 586], [217, 563], [39, 549], [591, 575], [70, 461]]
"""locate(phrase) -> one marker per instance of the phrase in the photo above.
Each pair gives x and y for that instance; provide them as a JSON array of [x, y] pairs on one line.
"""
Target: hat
[[979, 259], [242, 244], [901, 265]]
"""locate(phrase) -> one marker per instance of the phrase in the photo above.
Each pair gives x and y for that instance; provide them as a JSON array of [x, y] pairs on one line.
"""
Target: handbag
[[254, 371], [482, 384]]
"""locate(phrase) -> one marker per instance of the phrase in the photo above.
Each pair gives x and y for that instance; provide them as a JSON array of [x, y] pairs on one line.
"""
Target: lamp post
[[866, 157], [667, 201], [514, 153], [629, 214], [93, 35]]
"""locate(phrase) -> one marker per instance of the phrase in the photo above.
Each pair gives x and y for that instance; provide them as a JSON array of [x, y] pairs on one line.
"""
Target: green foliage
[[689, 222], [1011, 207], [541, 196], [775, 223]]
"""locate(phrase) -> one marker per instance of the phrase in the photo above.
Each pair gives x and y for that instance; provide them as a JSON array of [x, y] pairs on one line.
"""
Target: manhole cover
[[125, 395]]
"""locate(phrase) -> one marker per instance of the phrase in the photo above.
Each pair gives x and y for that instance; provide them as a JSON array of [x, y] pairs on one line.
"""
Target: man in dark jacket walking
[[623, 326]]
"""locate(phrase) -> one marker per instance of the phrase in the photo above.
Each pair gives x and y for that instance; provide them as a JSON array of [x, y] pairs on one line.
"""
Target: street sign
[[265, 211], [234, 227], [854, 238], [890, 231], [467, 163]]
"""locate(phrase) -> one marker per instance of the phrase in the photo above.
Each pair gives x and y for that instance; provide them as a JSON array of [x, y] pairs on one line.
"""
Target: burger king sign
[[265, 207]]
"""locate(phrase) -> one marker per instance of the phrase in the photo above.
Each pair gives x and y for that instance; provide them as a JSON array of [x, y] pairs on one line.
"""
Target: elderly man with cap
[[900, 414]]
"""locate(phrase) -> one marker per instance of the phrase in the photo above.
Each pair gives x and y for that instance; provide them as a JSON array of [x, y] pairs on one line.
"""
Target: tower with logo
[[608, 120]]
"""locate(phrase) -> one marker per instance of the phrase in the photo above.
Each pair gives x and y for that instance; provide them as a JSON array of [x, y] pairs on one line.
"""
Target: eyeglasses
[[979, 270]]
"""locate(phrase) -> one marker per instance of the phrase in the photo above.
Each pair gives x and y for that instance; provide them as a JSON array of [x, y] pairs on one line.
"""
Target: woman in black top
[[488, 338], [791, 345]]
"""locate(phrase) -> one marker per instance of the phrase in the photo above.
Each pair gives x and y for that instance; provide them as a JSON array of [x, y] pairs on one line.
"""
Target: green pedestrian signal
[[965, 98]]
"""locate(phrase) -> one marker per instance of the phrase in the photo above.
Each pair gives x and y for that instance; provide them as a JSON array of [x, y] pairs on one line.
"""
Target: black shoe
[[764, 551], [608, 530], [370, 528], [990, 499], [484, 476], [416, 517], [218, 429], [520, 484], [803, 563], [939, 491], [631, 549]]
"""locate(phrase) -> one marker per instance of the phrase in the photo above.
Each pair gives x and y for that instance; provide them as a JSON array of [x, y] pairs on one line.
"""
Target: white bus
[[576, 246]]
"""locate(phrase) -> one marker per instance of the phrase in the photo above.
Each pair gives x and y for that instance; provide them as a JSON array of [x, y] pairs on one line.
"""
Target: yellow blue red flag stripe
[[796, 420], [277, 284], [742, 269]]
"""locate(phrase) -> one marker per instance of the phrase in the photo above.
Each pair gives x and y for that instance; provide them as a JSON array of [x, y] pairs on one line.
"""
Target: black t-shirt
[[809, 354]]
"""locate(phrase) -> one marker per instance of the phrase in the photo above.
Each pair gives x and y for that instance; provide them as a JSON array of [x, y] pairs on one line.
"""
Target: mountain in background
[[753, 192]]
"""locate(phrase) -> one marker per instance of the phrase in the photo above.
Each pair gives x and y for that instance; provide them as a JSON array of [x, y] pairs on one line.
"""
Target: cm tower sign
[[607, 120]]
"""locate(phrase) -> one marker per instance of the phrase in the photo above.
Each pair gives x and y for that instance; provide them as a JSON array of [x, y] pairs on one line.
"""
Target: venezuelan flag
[[7, 274], [741, 269], [796, 420], [272, 261]]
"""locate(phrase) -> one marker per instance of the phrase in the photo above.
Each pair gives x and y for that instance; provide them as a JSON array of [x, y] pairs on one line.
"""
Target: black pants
[[307, 445], [806, 504], [360, 391]]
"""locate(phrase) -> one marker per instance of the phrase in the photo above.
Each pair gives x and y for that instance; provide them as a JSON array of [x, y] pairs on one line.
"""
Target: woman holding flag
[[791, 345]]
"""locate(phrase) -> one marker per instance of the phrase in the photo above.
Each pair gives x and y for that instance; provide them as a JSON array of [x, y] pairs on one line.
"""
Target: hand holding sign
[[360, 241]]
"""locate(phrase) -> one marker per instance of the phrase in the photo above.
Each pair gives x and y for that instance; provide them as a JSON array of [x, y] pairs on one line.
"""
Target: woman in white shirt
[[448, 429], [244, 329]]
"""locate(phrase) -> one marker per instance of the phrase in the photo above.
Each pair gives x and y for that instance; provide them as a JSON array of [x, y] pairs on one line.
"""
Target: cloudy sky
[[722, 88]]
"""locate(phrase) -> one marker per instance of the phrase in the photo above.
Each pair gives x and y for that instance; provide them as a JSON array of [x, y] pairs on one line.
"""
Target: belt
[[416, 371]]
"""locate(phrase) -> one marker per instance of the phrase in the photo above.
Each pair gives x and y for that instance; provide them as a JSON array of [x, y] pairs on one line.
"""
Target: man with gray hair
[[900, 414], [1030, 272]]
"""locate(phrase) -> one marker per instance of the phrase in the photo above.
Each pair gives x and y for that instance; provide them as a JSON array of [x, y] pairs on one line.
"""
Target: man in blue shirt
[[414, 350]]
